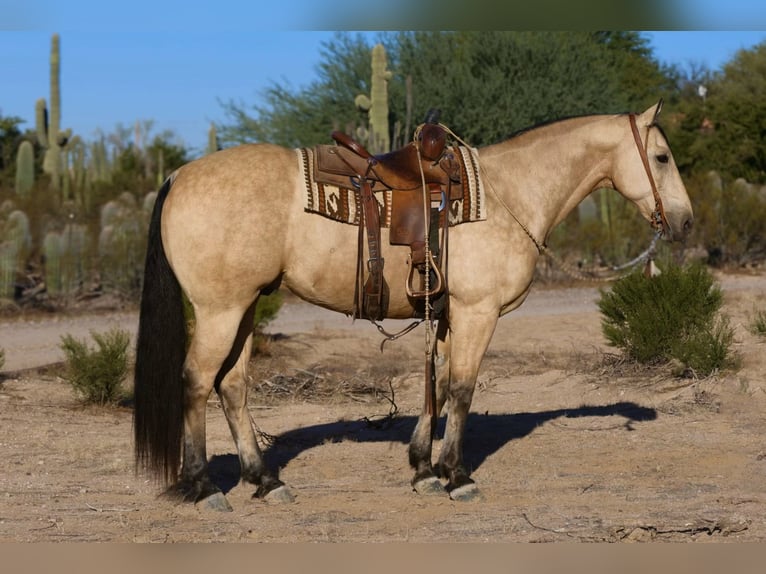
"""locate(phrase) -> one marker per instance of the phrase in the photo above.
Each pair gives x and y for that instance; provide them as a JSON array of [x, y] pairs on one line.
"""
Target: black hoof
[[192, 490]]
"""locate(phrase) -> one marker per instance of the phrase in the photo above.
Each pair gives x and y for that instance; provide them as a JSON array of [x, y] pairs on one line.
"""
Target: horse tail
[[158, 419]]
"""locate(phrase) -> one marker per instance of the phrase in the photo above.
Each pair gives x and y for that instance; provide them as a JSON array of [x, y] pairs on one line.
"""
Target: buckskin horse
[[232, 225]]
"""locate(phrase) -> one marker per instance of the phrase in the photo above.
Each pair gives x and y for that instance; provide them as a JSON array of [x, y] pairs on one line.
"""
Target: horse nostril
[[688, 224]]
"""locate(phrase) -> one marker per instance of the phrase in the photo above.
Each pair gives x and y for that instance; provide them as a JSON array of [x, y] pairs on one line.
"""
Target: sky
[[142, 64]]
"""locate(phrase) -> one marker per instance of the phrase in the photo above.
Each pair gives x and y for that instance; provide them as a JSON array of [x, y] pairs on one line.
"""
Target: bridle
[[658, 220]]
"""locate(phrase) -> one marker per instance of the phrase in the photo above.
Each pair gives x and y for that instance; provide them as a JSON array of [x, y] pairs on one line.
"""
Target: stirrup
[[411, 273]]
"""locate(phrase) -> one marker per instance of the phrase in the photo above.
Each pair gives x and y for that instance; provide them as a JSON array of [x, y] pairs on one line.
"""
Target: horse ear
[[651, 114]]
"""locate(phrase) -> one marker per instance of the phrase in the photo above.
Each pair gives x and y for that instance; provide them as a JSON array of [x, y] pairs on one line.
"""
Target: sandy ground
[[566, 442]]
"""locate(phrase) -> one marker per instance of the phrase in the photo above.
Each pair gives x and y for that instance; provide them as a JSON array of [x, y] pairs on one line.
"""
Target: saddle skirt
[[328, 174]]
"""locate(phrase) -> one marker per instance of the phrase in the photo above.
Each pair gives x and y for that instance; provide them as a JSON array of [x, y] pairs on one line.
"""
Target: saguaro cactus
[[212, 139], [122, 242], [25, 169], [376, 104], [15, 242], [49, 133], [65, 253]]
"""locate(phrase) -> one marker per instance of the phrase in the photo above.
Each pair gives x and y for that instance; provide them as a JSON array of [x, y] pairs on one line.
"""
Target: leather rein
[[658, 220]]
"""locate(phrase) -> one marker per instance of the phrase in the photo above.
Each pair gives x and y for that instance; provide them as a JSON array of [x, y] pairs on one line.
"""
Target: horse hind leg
[[215, 335], [233, 392]]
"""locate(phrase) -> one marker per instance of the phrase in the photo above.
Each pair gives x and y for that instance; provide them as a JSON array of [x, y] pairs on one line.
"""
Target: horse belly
[[322, 265]]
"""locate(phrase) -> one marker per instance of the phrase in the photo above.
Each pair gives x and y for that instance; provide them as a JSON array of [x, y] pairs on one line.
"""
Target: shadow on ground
[[485, 435]]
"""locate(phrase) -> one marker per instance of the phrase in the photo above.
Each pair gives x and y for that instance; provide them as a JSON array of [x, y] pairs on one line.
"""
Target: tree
[[306, 116], [487, 84], [737, 108], [10, 137], [687, 121], [721, 119]]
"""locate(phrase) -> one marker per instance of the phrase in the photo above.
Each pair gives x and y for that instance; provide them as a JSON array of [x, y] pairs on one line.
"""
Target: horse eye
[[663, 158]]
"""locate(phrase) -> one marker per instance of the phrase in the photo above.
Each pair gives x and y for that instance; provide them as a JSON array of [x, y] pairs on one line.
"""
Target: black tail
[[160, 352]]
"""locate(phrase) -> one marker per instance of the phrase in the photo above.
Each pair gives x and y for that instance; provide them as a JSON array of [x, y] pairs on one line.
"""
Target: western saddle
[[423, 175]]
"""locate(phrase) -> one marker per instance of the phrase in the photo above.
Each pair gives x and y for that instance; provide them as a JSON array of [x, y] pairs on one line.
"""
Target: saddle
[[422, 176]]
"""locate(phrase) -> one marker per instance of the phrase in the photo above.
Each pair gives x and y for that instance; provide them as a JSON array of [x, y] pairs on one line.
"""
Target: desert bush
[[97, 374], [672, 316], [758, 323], [2, 357]]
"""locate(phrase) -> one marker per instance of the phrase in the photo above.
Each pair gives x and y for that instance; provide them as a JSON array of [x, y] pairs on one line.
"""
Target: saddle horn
[[432, 116], [432, 137]]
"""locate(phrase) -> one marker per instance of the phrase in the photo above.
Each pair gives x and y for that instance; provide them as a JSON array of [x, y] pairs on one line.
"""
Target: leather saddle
[[400, 170], [422, 176]]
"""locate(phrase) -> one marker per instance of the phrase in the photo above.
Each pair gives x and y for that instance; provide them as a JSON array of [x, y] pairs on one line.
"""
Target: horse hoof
[[465, 493], [280, 495], [430, 486], [216, 502]]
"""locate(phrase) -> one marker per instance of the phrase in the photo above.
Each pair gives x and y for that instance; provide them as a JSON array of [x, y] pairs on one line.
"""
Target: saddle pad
[[344, 205]]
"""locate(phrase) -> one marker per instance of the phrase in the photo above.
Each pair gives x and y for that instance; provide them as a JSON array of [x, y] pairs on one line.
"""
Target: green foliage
[[723, 129], [488, 84], [491, 84], [671, 316], [2, 357], [97, 374], [758, 323], [267, 309], [10, 137], [617, 235], [730, 218]]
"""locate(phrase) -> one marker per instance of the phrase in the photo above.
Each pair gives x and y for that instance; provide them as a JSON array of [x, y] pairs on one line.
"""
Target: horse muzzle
[[678, 227]]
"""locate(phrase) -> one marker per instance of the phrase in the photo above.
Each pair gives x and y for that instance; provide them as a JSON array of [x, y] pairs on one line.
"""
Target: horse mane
[[545, 123]]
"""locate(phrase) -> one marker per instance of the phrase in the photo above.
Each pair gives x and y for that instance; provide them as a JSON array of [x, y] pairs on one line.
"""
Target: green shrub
[[2, 357], [672, 316], [758, 323], [97, 374]]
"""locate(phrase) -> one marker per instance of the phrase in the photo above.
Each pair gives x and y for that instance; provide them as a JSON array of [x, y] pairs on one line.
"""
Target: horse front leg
[[425, 480], [470, 334]]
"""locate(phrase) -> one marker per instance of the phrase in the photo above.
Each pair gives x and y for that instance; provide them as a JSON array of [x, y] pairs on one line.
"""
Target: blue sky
[[121, 64]]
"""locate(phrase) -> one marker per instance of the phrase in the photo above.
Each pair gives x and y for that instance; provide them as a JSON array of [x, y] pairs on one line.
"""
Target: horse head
[[646, 173]]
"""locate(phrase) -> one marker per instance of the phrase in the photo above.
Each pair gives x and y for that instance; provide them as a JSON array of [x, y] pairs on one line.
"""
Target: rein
[[658, 220]]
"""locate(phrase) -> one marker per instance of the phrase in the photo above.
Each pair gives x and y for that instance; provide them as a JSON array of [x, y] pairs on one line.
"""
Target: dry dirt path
[[566, 443]]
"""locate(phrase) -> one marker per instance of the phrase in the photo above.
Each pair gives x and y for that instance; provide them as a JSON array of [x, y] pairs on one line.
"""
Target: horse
[[230, 226]]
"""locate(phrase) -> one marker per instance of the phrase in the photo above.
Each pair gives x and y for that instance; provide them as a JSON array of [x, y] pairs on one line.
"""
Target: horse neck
[[543, 174]]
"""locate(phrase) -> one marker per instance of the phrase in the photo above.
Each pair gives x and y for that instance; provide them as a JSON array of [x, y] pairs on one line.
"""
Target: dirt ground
[[566, 441]]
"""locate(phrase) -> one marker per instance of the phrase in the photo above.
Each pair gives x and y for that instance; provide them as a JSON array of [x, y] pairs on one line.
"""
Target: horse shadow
[[485, 434]]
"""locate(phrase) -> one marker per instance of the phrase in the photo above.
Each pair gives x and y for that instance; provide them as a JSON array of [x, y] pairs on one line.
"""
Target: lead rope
[[430, 370]]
